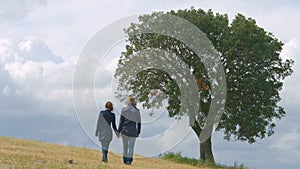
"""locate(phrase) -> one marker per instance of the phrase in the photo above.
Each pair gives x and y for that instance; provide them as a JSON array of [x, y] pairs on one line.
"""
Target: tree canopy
[[251, 61]]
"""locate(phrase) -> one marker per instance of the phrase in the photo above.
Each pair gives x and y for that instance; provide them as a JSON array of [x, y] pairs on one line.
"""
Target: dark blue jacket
[[130, 121], [106, 119]]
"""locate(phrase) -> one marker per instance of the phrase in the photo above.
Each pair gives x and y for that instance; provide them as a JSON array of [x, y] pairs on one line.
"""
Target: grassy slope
[[16, 153]]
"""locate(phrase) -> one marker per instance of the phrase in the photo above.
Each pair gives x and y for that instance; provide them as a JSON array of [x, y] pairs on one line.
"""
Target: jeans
[[128, 148]]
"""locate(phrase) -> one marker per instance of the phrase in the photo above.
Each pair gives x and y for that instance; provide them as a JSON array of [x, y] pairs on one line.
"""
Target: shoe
[[127, 163]]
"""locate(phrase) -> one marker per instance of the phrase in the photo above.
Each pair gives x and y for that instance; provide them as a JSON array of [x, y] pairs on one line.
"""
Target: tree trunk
[[206, 154]]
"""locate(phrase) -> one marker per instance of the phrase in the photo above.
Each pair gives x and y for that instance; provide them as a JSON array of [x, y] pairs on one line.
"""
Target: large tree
[[253, 69]]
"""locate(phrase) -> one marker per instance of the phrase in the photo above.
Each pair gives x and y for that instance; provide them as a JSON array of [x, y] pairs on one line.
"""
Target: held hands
[[118, 135]]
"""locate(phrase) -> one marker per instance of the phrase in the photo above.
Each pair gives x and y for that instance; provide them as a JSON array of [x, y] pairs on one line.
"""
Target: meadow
[[21, 153]]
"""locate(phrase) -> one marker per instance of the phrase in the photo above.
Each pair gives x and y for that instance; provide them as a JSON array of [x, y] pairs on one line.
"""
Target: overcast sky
[[41, 40]]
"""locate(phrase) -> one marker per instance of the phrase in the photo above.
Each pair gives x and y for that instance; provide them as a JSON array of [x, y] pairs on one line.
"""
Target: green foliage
[[178, 158], [254, 74], [250, 57]]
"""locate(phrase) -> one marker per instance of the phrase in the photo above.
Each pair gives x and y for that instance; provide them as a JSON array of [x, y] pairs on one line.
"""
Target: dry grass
[[16, 153]]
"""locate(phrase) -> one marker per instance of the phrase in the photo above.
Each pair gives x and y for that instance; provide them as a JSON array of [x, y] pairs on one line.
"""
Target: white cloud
[[6, 53], [288, 142], [40, 42], [290, 100], [281, 21], [67, 26], [35, 49], [24, 71], [25, 46], [16, 10], [291, 49], [29, 61], [34, 76], [6, 90]]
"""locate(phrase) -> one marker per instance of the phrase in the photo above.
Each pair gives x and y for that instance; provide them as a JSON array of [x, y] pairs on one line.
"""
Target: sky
[[41, 41]]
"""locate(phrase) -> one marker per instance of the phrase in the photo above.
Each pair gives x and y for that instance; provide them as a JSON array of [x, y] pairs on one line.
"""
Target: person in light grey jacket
[[106, 120], [130, 128]]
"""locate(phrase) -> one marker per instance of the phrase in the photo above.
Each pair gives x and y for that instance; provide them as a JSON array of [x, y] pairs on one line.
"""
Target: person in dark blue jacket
[[130, 128], [106, 120]]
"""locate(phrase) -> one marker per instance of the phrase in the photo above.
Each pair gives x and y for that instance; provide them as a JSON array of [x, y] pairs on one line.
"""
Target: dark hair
[[109, 106]]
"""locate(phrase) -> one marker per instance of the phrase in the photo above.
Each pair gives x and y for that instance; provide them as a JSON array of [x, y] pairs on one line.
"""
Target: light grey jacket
[[106, 120]]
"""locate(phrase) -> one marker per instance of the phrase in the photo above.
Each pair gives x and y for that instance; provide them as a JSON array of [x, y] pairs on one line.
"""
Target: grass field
[[18, 153]]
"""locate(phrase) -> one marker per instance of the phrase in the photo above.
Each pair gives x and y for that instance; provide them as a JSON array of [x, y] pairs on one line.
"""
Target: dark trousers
[[105, 146], [104, 155]]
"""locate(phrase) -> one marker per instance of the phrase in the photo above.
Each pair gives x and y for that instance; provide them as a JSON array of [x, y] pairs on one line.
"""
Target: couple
[[129, 128]]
